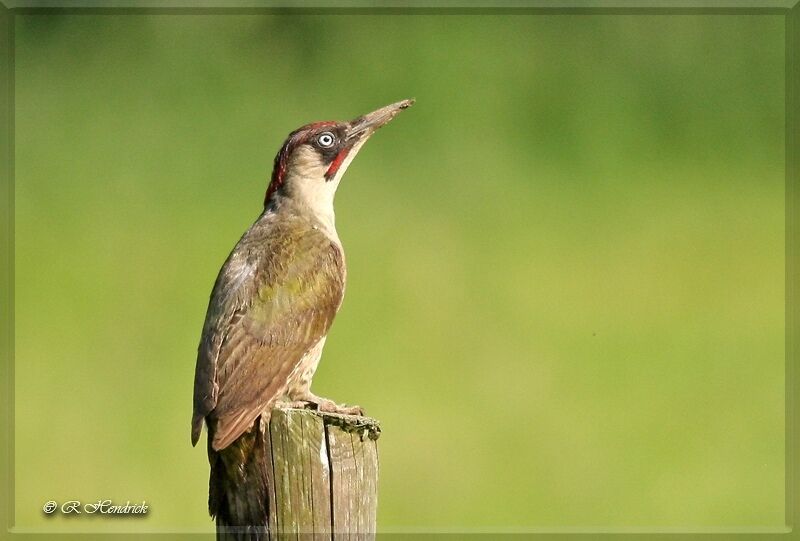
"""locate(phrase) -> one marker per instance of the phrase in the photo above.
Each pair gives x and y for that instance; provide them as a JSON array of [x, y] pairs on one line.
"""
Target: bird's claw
[[298, 404], [344, 409], [325, 405]]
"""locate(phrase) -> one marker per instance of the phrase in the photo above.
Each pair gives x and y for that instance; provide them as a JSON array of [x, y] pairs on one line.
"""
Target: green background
[[566, 261]]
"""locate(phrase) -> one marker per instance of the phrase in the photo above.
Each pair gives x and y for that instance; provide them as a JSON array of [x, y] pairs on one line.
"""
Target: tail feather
[[238, 492]]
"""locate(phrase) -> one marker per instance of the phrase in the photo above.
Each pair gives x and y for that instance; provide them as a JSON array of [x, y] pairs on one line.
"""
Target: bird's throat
[[311, 201]]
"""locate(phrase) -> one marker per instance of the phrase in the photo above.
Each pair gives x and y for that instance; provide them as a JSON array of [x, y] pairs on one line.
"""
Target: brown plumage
[[270, 310], [274, 299]]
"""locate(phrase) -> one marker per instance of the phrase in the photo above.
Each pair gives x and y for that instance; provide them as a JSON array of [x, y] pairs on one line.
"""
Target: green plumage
[[270, 310], [274, 299]]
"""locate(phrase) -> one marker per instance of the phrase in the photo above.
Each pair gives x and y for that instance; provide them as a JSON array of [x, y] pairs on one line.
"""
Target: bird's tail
[[238, 491]]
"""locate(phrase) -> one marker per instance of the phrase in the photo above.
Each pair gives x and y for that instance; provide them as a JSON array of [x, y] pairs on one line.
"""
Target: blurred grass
[[566, 284]]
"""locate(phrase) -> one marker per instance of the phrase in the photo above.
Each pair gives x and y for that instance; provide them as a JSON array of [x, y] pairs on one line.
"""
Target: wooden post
[[322, 472]]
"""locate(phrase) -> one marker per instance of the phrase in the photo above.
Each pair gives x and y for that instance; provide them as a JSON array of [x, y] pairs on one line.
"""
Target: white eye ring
[[325, 140]]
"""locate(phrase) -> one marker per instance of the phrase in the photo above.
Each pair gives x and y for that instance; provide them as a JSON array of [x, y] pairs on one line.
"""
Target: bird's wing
[[273, 300]]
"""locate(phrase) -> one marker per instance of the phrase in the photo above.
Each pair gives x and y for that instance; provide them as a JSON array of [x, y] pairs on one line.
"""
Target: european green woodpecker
[[275, 299]]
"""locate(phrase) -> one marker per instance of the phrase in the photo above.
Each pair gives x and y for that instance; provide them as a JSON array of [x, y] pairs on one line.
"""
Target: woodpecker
[[272, 306]]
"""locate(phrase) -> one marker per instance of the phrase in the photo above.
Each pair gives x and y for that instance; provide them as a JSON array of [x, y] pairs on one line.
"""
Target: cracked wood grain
[[324, 475]]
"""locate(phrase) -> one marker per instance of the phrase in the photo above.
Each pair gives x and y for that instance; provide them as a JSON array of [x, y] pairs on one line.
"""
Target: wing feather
[[274, 299]]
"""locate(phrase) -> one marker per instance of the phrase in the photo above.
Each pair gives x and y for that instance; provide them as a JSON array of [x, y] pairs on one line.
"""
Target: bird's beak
[[364, 126]]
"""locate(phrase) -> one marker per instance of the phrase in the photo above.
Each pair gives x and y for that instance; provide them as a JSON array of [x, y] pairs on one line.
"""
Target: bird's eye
[[325, 140]]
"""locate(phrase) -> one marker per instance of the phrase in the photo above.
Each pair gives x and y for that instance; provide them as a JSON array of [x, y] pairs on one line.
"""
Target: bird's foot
[[312, 401], [294, 404]]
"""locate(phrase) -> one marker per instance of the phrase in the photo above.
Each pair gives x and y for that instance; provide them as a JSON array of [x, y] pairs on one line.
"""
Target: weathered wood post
[[322, 476]]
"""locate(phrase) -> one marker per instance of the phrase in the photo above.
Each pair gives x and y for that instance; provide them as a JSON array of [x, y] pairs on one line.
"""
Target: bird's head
[[313, 159]]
